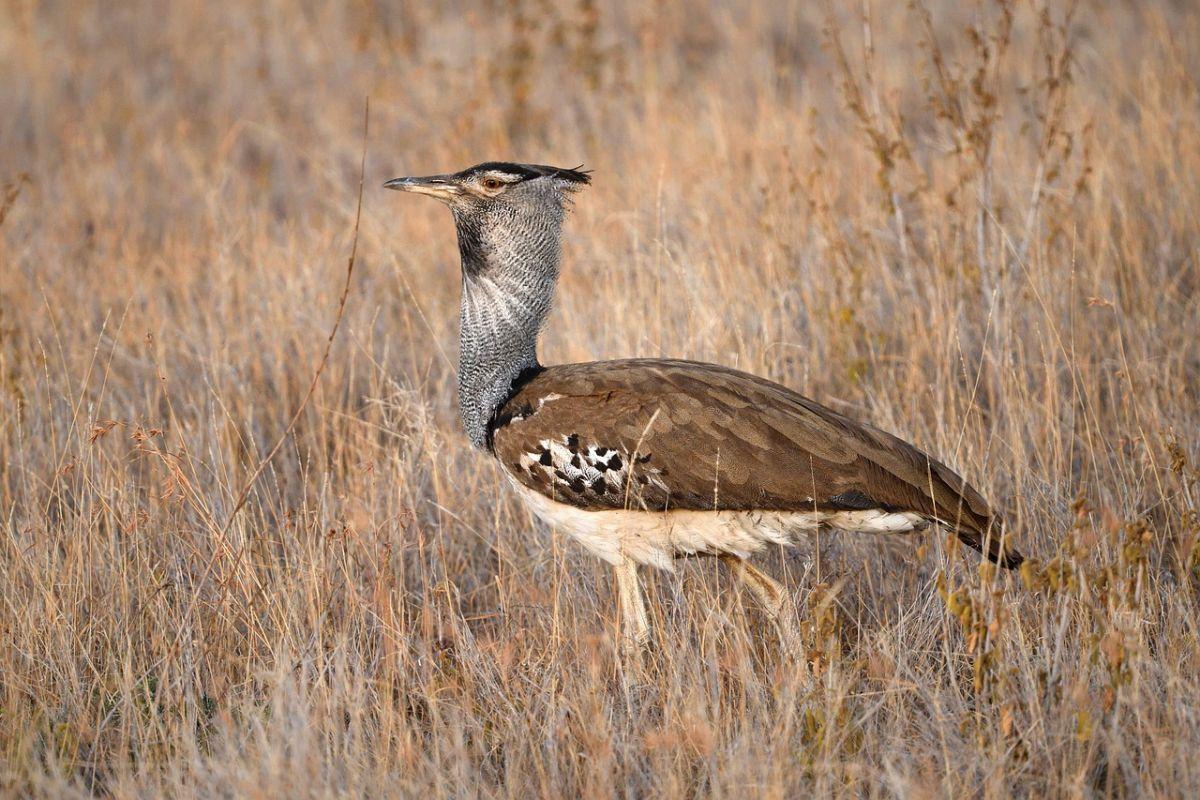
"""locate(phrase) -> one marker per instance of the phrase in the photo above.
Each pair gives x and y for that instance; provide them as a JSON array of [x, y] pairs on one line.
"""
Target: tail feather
[[991, 543]]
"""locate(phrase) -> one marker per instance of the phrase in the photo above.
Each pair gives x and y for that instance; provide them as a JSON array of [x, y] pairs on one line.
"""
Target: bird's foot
[[633, 656], [638, 689]]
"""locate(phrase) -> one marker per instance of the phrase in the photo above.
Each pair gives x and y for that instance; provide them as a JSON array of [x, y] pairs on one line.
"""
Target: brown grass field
[[974, 224]]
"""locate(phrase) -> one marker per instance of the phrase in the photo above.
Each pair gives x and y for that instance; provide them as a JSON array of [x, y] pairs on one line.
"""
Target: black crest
[[530, 171]]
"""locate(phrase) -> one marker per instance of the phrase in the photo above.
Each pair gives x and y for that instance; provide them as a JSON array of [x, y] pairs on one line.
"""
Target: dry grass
[[977, 225]]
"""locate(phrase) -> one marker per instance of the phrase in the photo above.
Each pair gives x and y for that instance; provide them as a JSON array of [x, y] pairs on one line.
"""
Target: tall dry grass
[[977, 225]]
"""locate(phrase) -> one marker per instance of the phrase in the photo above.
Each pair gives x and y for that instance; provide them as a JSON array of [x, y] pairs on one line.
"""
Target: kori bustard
[[646, 460]]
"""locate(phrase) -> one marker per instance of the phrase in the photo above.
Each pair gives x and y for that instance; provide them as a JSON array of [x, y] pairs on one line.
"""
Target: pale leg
[[773, 598], [635, 626]]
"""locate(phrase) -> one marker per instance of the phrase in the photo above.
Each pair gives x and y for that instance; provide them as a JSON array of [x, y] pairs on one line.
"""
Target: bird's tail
[[991, 541]]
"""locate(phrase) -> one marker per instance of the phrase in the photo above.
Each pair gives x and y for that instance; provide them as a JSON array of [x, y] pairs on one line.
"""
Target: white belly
[[658, 537]]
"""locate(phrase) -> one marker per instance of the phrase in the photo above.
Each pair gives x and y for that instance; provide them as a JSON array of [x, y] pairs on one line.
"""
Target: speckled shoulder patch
[[585, 473]]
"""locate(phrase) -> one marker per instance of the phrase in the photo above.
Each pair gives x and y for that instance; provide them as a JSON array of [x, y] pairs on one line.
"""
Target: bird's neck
[[509, 267]]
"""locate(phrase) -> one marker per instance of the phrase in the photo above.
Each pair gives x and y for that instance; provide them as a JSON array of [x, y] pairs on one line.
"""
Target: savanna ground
[[975, 224]]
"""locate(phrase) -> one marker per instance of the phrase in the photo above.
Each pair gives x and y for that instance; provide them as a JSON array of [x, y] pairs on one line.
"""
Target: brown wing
[[659, 434]]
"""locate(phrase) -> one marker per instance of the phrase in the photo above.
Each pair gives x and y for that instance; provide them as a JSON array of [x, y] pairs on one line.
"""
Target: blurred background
[[974, 224]]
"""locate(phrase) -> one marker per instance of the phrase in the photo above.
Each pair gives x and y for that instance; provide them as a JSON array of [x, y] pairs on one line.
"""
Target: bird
[[647, 460]]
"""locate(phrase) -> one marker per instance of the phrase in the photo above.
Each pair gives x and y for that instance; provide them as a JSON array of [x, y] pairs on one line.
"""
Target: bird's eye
[[491, 183]]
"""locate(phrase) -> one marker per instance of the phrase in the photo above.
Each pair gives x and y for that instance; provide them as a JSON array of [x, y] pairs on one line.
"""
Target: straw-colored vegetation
[[974, 224]]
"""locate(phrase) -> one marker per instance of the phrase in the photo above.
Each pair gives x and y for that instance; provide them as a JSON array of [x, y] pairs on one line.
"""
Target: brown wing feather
[[700, 436]]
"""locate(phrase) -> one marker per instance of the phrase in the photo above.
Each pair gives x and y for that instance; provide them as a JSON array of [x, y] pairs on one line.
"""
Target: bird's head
[[508, 216], [497, 186]]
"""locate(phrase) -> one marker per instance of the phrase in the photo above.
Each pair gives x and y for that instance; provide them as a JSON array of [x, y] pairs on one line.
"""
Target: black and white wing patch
[[588, 474]]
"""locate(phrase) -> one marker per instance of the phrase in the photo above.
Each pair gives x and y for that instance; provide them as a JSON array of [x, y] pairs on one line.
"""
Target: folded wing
[[660, 435]]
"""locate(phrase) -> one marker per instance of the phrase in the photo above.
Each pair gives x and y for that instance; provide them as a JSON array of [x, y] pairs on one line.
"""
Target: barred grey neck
[[510, 261]]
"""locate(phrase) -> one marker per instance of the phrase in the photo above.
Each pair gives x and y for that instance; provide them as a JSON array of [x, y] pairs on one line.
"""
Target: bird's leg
[[635, 626], [773, 598]]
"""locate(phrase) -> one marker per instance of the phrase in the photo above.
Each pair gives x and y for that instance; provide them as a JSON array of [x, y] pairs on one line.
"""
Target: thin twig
[[337, 322]]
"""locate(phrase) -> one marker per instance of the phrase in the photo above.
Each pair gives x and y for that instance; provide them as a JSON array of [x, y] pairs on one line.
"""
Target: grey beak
[[439, 186]]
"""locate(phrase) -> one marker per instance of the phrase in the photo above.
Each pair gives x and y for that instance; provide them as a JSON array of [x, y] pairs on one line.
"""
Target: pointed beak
[[439, 186]]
